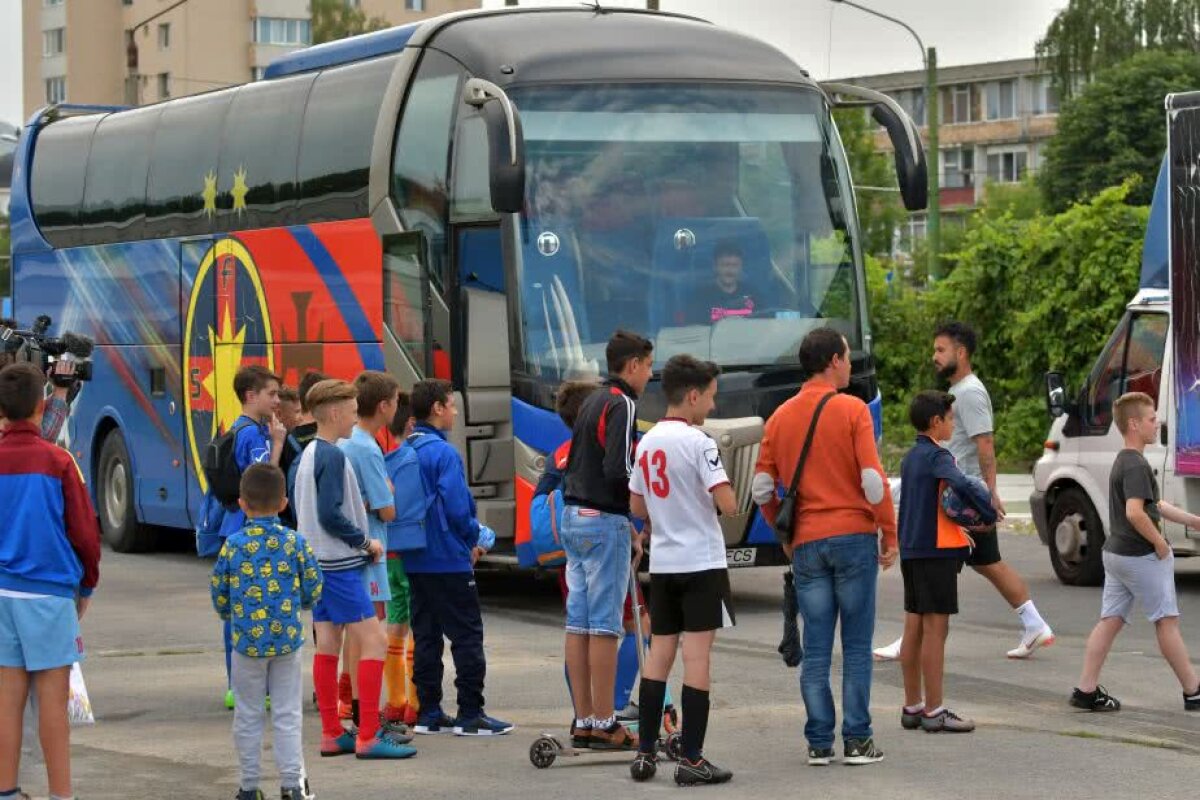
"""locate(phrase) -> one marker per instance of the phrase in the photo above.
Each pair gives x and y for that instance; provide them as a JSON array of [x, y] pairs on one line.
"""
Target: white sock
[[604, 724], [583, 724], [935, 711], [1030, 618], [917, 709]]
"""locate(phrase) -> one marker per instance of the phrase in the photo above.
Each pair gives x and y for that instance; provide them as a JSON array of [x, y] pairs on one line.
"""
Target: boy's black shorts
[[987, 548], [931, 585], [690, 602]]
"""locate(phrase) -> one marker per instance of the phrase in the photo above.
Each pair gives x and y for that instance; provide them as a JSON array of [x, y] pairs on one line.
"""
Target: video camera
[[34, 346]]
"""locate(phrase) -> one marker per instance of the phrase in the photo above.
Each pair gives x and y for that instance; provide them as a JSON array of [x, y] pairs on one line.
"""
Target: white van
[[1070, 498]]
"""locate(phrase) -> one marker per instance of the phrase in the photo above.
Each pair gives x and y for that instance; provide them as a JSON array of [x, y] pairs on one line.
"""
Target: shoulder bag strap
[[812, 430]]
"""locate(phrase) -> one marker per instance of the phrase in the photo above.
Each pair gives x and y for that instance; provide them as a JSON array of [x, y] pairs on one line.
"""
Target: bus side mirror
[[506, 144], [1056, 394], [912, 173]]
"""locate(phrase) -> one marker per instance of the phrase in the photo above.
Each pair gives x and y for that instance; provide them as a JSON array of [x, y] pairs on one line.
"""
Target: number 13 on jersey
[[656, 461]]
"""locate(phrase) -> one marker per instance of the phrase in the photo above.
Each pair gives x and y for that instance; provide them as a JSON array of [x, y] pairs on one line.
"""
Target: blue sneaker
[[482, 725], [341, 745], [384, 748], [435, 723]]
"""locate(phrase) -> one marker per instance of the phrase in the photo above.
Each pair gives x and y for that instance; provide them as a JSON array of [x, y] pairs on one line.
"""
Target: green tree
[[1090, 35], [1115, 129], [337, 19], [879, 212]]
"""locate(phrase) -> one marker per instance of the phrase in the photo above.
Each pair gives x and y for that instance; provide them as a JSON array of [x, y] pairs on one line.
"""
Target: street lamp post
[[929, 59]]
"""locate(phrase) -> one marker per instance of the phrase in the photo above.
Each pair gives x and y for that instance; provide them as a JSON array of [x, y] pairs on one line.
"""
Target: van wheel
[[1076, 540], [115, 501]]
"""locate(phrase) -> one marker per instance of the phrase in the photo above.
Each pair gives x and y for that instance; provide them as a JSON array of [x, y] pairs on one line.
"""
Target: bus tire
[[1076, 539], [115, 498]]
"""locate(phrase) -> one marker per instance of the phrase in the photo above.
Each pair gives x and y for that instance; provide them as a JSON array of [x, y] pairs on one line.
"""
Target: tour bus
[[483, 197], [1152, 350]]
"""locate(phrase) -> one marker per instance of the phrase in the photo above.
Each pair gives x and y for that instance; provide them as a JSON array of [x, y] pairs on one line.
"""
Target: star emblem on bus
[[239, 190], [227, 349], [210, 194]]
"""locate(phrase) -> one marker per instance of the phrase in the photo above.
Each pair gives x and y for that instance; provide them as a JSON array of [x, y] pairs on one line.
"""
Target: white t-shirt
[[675, 469]]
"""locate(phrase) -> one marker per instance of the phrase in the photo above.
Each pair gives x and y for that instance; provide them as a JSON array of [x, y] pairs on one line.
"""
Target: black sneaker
[[482, 725], [857, 752], [644, 766], [249, 794], [820, 756], [1191, 702], [698, 773], [433, 724], [297, 793], [1099, 700]]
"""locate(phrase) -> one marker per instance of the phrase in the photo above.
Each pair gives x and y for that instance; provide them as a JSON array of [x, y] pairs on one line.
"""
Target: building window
[[1002, 100], [414, 5], [56, 90], [164, 85], [54, 42], [1045, 96], [958, 104], [164, 36], [276, 30], [958, 167], [1007, 167], [257, 73]]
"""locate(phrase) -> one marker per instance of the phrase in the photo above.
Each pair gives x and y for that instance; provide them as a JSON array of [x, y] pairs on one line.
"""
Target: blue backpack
[[413, 498], [545, 528], [208, 526]]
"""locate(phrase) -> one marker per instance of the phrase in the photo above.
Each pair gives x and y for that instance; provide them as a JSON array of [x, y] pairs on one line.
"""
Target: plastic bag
[[79, 706]]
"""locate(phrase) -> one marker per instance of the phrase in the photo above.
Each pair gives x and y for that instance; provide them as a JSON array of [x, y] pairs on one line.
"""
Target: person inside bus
[[726, 295]]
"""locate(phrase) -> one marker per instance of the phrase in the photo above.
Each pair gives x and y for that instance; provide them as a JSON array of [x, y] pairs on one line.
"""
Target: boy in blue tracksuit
[[932, 552], [444, 601]]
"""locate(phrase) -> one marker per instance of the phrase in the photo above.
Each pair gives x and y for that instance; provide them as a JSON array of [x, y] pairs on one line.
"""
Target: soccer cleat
[[1043, 638], [394, 731], [820, 756], [857, 752], [345, 711], [340, 745], [1099, 700], [229, 701], [433, 724], [698, 773], [911, 721], [946, 721], [393, 713], [249, 794], [644, 767], [378, 749], [630, 714], [889, 652], [267, 703], [1191, 702], [482, 725]]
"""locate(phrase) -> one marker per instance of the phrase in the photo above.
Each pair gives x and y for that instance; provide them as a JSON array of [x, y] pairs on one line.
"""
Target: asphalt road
[[156, 679]]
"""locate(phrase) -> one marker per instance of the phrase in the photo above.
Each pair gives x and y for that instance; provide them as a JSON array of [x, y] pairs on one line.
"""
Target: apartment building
[[994, 122], [130, 52]]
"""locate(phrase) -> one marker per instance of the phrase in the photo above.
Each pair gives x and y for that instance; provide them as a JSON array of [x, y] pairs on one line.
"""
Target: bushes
[[1043, 292]]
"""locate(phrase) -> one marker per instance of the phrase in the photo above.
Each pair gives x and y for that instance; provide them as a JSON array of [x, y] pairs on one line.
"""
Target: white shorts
[[1147, 579]]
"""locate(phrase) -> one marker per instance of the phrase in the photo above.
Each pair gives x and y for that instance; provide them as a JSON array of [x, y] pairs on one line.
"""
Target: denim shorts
[[598, 554], [38, 633]]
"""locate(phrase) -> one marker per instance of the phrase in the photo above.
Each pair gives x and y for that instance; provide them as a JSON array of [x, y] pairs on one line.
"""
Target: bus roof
[[342, 51]]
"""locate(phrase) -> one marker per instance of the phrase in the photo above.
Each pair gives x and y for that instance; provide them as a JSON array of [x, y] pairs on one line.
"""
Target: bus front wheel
[[115, 499]]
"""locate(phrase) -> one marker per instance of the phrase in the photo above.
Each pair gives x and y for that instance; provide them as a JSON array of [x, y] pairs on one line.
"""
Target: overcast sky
[[827, 39]]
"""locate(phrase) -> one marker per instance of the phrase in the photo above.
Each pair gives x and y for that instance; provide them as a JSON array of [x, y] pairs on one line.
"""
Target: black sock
[[651, 695], [695, 722], [354, 711]]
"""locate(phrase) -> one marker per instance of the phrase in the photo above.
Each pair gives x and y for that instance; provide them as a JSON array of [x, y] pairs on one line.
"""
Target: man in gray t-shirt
[[974, 448]]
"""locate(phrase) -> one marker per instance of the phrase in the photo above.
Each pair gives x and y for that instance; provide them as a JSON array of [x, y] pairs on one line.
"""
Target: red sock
[[344, 689], [370, 685], [325, 682]]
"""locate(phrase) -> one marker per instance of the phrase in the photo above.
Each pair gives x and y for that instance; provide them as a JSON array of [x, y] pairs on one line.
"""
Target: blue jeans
[[835, 579], [598, 554]]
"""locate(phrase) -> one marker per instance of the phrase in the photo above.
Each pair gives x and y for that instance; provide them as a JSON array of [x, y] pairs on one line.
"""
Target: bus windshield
[[717, 220]]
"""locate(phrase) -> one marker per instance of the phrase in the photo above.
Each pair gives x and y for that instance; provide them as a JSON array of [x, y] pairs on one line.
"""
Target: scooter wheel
[[674, 746], [542, 753]]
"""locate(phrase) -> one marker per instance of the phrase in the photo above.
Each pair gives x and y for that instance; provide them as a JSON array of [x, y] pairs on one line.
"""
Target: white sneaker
[[889, 653], [1043, 638]]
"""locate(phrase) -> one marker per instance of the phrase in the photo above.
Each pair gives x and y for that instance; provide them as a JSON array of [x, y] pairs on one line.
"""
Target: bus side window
[[114, 196], [184, 157], [421, 164], [59, 160]]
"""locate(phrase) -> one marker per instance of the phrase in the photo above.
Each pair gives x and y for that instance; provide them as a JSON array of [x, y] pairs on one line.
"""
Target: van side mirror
[[912, 174], [506, 144], [1056, 394]]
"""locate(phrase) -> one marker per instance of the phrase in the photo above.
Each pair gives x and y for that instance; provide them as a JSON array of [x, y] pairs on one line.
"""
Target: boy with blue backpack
[[445, 600], [404, 532]]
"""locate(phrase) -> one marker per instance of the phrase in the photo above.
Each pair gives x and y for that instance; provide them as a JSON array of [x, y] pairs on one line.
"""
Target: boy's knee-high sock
[[370, 685], [410, 688], [627, 671], [650, 707], [325, 682], [394, 675], [695, 722], [345, 689]]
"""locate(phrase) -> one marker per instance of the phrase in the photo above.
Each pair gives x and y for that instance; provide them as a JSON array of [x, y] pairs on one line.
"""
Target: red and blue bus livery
[[482, 197]]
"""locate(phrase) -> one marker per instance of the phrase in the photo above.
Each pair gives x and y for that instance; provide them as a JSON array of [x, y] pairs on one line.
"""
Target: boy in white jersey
[[678, 483]]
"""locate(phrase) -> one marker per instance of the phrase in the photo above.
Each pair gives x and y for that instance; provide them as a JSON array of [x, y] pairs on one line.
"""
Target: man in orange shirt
[[843, 509]]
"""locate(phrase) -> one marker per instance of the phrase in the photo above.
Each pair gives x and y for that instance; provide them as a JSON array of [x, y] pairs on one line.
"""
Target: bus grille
[[739, 465]]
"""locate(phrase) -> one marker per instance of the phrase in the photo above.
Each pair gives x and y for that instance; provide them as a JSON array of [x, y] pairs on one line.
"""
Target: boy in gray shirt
[[1138, 563]]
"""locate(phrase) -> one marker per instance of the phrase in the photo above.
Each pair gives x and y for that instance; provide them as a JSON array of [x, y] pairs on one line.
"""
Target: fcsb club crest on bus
[[228, 326]]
